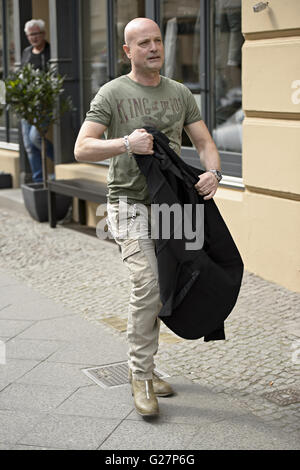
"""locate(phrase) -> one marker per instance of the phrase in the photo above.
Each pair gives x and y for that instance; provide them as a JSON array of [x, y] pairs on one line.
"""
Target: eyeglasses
[[34, 34]]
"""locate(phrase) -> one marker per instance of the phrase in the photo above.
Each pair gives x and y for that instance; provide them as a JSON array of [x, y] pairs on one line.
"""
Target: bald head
[[136, 27], [144, 47]]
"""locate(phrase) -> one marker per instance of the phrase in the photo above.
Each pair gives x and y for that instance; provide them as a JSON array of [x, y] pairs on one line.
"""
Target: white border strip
[[9, 146], [232, 181]]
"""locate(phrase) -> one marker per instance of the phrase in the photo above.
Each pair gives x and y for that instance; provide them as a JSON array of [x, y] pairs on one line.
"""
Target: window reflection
[[125, 11], [228, 92], [13, 120], [180, 25], [11, 43], [7, 56], [94, 48], [181, 32]]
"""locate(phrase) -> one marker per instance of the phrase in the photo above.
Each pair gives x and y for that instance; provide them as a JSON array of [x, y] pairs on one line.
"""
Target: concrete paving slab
[[14, 424], [11, 328], [8, 279], [20, 447], [39, 308], [38, 350], [43, 398], [56, 374], [150, 435], [3, 385], [70, 432], [194, 404], [15, 368], [93, 351], [5, 446], [24, 294], [113, 403], [71, 328], [242, 433]]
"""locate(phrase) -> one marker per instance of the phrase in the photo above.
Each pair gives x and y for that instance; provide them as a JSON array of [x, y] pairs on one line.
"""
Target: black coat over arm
[[198, 287]]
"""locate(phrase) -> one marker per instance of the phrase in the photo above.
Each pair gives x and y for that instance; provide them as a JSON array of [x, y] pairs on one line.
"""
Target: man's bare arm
[[209, 157], [206, 148], [89, 147]]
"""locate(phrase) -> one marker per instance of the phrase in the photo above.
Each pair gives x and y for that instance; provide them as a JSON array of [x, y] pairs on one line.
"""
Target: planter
[[36, 202], [5, 180]]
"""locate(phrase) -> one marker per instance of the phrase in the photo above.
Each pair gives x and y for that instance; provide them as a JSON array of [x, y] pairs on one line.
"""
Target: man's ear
[[126, 49]]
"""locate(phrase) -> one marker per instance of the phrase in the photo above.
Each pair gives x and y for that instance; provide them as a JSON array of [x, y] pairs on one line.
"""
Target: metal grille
[[283, 397], [112, 375]]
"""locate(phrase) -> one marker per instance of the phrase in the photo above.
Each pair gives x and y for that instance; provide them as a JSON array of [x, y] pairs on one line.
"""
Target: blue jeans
[[33, 144]]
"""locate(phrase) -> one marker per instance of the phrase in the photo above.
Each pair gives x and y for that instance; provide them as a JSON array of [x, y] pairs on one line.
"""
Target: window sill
[[232, 182], [9, 146]]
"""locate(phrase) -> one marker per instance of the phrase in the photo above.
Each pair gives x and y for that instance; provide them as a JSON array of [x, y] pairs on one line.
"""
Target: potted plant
[[35, 95]]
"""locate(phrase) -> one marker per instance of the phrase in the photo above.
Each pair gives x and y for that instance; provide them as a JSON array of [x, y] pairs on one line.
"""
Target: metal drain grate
[[283, 397], [112, 375]]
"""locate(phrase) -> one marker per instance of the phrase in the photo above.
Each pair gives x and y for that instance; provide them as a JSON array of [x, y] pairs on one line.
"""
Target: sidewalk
[[63, 298], [46, 401]]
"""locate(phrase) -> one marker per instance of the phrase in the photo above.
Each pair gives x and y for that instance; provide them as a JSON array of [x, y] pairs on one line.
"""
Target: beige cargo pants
[[133, 236]]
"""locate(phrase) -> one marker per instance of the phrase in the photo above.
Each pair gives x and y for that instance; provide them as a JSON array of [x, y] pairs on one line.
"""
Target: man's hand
[[141, 142], [207, 185]]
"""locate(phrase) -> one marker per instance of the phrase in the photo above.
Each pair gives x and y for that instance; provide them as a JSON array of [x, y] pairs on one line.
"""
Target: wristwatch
[[217, 174]]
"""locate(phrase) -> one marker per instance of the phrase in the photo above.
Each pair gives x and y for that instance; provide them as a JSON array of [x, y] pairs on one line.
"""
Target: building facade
[[242, 66]]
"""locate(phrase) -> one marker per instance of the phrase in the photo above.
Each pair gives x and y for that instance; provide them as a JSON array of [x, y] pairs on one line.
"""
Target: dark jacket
[[44, 56], [198, 288]]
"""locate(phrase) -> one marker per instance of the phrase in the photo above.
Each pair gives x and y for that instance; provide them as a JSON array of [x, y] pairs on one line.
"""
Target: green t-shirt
[[124, 105]]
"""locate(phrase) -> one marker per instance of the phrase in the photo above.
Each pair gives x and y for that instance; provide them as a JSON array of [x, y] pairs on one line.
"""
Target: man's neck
[[151, 79], [38, 49]]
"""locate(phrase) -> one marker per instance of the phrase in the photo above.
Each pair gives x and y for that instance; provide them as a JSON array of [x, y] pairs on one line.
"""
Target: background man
[[121, 109], [37, 54]]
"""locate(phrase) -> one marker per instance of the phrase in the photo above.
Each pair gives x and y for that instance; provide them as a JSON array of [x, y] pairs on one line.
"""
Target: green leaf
[[36, 95]]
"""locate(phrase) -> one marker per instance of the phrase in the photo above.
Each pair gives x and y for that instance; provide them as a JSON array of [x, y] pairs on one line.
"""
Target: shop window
[[228, 115], [203, 43], [8, 121], [180, 24], [94, 49], [124, 11]]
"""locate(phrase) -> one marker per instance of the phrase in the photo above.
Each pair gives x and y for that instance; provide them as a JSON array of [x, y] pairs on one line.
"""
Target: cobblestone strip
[[84, 273]]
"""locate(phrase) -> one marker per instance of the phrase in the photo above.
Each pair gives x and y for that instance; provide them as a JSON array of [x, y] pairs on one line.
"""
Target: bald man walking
[[121, 109]]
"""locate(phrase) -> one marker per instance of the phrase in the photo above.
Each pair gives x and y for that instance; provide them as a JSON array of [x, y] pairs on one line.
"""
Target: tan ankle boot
[[145, 401], [161, 387]]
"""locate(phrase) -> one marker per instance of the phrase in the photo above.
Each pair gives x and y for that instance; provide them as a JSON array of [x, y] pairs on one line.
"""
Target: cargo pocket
[[141, 274], [129, 248]]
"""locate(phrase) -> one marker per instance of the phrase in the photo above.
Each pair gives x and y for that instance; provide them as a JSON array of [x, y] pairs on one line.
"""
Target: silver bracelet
[[127, 145]]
